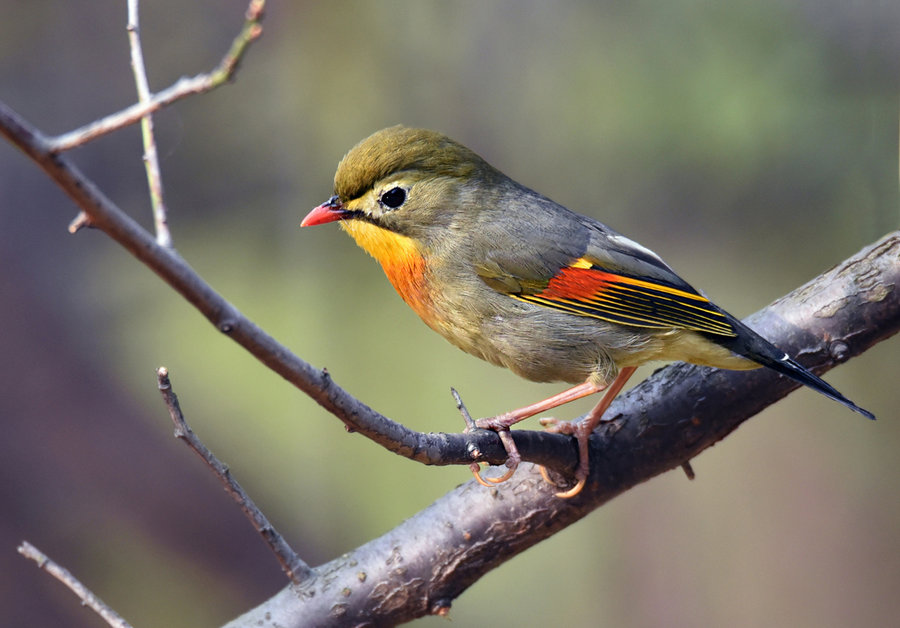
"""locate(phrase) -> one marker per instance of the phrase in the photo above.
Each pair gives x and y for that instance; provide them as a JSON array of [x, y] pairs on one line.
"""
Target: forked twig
[[183, 87]]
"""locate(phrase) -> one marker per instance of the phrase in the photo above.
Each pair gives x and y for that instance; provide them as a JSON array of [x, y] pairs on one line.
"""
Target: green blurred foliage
[[752, 144]]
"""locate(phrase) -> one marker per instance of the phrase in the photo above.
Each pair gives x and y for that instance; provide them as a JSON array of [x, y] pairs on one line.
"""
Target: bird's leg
[[582, 430], [502, 422], [508, 419]]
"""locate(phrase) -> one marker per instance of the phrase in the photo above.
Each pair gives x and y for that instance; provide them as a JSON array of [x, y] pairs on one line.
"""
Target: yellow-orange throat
[[400, 258]]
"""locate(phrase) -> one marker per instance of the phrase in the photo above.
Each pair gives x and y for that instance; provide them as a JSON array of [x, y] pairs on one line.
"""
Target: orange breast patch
[[401, 260]]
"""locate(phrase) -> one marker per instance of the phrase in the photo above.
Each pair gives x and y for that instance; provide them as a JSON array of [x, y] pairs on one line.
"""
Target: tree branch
[[420, 566], [295, 569]]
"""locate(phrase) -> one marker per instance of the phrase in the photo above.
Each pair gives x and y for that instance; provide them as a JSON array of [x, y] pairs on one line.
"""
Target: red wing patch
[[595, 292]]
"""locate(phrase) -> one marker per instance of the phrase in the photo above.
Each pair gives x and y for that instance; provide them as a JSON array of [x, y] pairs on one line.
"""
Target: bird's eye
[[393, 198]]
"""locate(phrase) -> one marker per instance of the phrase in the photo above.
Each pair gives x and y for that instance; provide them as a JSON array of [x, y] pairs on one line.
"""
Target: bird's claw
[[582, 433], [501, 424], [475, 468], [496, 424]]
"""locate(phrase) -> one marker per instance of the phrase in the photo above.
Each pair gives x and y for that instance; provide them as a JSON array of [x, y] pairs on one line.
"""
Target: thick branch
[[427, 561]]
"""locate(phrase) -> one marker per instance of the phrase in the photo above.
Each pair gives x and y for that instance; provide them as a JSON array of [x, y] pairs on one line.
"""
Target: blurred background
[[752, 144]]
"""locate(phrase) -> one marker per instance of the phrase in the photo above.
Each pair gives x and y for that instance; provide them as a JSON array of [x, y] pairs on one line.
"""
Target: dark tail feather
[[751, 345], [787, 366]]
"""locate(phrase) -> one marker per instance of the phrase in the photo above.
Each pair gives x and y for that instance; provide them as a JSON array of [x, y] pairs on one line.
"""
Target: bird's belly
[[539, 345]]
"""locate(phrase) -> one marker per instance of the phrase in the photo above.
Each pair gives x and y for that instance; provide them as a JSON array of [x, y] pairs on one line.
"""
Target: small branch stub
[[79, 222]]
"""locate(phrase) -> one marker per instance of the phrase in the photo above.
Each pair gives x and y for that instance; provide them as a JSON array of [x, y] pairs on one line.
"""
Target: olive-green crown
[[398, 149]]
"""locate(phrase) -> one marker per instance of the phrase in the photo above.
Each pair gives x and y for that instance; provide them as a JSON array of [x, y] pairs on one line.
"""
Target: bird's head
[[410, 182]]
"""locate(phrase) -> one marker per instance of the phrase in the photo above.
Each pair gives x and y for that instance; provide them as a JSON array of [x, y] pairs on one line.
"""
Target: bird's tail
[[790, 368], [751, 345]]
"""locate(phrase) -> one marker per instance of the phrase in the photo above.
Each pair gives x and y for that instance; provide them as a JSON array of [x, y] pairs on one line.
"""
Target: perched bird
[[516, 279]]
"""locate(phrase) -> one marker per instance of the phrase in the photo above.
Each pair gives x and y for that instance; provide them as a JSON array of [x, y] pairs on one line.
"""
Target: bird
[[516, 279]]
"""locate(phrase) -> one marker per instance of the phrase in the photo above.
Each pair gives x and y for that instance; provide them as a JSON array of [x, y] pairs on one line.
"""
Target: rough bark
[[420, 566]]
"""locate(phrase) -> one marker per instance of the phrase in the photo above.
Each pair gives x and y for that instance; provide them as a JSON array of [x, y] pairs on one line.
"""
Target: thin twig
[[291, 563], [185, 86], [84, 594], [151, 157], [470, 423]]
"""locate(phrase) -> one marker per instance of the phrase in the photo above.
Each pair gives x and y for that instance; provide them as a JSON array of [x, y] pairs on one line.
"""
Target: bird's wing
[[608, 277]]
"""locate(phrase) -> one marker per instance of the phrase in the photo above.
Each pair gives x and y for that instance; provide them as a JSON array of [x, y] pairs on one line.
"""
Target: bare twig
[[291, 563], [84, 594], [185, 86], [151, 158], [467, 418]]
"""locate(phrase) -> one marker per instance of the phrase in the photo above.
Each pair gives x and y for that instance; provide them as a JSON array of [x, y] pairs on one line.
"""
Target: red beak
[[329, 211]]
